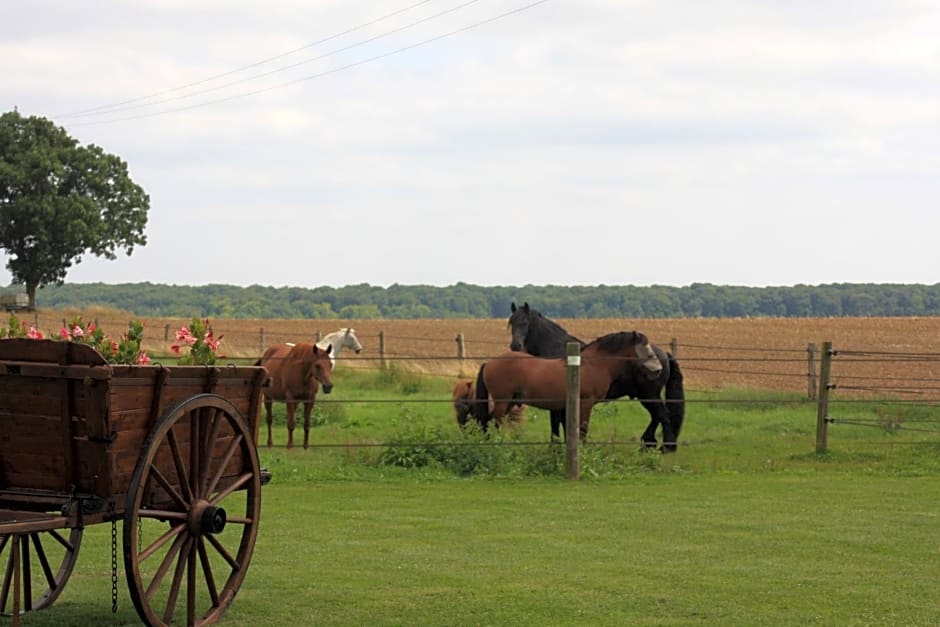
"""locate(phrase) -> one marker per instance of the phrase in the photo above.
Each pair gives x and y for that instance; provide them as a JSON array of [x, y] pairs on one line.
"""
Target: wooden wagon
[[168, 450]]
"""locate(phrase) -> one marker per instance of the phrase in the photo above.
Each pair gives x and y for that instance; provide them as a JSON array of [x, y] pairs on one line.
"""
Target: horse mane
[[547, 325], [548, 331], [616, 342]]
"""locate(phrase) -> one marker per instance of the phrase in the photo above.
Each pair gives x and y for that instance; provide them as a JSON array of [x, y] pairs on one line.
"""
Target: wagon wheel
[[27, 560], [197, 486]]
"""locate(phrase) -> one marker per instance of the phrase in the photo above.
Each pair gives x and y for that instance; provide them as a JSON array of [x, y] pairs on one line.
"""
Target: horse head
[[322, 367], [351, 341], [646, 356], [519, 323]]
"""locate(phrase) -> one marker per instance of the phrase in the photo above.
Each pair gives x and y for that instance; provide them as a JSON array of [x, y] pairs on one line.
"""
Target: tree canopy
[[60, 200], [474, 301]]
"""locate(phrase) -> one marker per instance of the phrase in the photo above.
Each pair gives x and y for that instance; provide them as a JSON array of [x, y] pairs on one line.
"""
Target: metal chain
[[114, 577]]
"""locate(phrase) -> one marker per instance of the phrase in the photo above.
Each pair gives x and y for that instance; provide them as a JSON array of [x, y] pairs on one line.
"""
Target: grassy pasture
[[730, 549], [744, 525]]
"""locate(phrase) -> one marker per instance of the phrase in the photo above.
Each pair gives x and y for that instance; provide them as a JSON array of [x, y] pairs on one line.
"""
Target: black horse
[[537, 335]]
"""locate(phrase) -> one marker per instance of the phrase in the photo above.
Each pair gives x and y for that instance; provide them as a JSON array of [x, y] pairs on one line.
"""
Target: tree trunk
[[31, 292]]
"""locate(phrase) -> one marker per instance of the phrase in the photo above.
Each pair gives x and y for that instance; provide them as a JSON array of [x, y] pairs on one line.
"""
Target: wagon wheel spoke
[[43, 560], [191, 580], [208, 488], [232, 449], [8, 573], [175, 585], [163, 514], [207, 571], [211, 438], [224, 553], [166, 485], [195, 418], [164, 566], [180, 466], [174, 533], [27, 579], [38, 565], [237, 485]]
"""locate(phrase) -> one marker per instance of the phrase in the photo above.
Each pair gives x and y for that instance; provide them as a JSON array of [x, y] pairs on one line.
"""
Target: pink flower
[[183, 333], [77, 332], [34, 334], [114, 346], [175, 348], [143, 359], [64, 334], [91, 328]]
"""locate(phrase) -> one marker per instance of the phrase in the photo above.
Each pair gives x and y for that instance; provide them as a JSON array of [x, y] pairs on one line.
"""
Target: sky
[[501, 142]]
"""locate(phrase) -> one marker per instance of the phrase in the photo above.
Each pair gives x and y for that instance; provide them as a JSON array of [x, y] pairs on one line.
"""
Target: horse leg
[[557, 418], [291, 422], [586, 407], [500, 409], [308, 407], [270, 420], [658, 415]]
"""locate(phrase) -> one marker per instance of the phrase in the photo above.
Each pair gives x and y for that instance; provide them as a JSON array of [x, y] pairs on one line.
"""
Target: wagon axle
[[205, 518]]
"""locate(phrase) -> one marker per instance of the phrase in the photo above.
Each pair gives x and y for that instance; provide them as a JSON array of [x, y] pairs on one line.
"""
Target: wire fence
[[902, 370]]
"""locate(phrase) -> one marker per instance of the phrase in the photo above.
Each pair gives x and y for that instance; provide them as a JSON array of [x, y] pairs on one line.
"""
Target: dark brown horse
[[515, 377], [463, 405], [648, 382], [296, 372]]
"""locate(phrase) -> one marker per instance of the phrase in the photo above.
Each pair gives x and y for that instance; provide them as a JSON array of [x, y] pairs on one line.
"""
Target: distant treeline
[[473, 301]]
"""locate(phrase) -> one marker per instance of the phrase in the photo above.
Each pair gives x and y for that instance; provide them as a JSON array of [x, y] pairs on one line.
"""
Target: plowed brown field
[[760, 353]]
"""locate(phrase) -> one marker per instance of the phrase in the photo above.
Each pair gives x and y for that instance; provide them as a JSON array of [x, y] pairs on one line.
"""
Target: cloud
[[752, 139]]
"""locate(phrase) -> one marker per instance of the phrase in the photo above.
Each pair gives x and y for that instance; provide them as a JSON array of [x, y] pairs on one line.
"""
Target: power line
[[321, 74], [286, 67], [209, 79]]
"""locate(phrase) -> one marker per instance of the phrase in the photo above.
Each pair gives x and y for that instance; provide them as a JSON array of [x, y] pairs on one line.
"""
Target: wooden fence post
[[811, 370], [382, 349], [166, 333], [461, 355], [674, 347], [822, 403], [319, 337], [261, 342], [573, 411]]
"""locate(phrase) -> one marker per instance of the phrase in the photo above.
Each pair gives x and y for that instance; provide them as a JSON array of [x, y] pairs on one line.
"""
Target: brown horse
[[295, 374], [463, 405], [514, 378]]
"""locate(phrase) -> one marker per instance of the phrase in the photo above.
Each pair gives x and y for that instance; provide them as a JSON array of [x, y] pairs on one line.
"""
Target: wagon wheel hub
[[205, 518]]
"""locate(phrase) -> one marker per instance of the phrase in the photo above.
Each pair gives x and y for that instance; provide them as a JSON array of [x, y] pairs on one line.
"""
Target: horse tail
[[481, 406], [675, 395]]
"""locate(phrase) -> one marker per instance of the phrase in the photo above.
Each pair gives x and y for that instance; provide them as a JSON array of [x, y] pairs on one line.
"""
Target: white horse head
[[344, 338]]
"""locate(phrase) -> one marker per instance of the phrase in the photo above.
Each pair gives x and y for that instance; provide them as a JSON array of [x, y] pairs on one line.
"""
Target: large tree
[[60, 201]]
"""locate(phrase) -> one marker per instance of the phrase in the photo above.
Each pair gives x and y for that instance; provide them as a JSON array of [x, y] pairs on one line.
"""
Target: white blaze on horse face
[[647, 357]]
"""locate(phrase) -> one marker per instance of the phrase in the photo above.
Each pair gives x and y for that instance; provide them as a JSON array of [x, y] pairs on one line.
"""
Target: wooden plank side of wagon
[[141, 396], [52, 398], [45, 435]]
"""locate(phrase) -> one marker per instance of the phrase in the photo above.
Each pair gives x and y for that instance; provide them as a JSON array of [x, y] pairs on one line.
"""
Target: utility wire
[[281, 69], [102, 108], [324, 73]]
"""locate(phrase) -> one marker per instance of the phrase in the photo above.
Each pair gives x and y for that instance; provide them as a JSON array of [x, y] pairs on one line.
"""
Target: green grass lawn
[[744, 525]]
